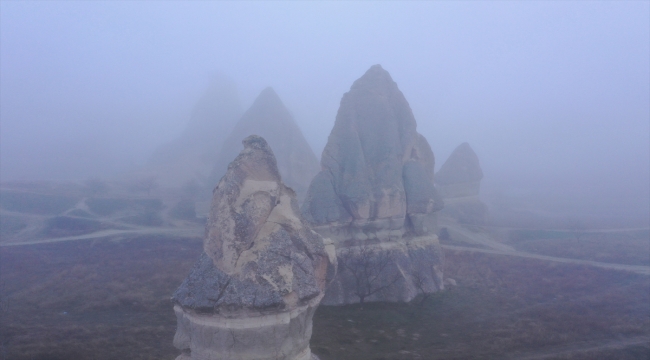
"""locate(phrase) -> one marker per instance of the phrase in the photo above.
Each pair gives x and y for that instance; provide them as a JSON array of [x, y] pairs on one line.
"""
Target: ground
[[109, 298], [90, 277]]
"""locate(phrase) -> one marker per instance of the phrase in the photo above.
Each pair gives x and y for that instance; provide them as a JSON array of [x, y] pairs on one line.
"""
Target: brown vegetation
[[631, 247], [108, 299], [103, 299], [503, 307]]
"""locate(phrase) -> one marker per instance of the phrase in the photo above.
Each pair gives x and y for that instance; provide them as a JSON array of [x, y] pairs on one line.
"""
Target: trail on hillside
[[493, 246], [640, 269], [465, 235], [174, 232]]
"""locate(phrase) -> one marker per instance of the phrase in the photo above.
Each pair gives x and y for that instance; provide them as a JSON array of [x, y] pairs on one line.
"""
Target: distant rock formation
[[255, 289], [375, 197], [192, 155], [269, 118], [459, 182]]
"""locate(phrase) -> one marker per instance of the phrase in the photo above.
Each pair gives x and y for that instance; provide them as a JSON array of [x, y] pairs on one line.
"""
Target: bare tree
[[419, 280], [369, 268], [577, 228]]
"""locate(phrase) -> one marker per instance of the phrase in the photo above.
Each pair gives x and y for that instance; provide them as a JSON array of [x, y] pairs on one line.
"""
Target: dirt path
[[644, 270], [586, 347], [494, 247], [584, 231], [462, 234], [179, 232]]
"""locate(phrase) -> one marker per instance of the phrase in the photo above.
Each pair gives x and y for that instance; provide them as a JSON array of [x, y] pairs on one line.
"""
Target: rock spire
[[269, 118], [254, 291], [459, 182], [375, 196]]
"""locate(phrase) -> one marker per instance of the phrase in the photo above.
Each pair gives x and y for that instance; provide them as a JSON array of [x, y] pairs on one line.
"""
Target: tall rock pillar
[[375, 199], [253, 293]]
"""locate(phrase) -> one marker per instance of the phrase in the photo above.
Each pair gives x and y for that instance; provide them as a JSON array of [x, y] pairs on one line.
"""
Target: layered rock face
[[375, 198], [459, 182], [269, 118], [255, 289], [192, 155]]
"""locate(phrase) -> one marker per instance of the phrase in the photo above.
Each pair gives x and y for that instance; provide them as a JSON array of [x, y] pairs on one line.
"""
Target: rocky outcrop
[[254, 291], [375, 198], [459, 182], [192, 155], [269, 118]]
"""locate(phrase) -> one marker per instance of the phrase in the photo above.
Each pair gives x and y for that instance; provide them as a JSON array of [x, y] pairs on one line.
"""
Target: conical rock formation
[[191, 156], [269, 118], [254, 291], [459, 181], [375, 197]]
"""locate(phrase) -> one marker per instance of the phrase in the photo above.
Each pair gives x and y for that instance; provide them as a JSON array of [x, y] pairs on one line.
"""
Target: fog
[[554, 97]]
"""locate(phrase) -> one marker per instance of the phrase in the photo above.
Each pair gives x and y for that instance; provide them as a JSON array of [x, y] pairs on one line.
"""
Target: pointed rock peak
[[267, 99], [464, 148], [255, 142], [462, 166], [256, 162], [268, 92], [375, 78], [268, 117]]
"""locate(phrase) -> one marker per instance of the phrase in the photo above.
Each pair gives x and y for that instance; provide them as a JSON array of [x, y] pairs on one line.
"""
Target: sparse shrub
[[369, 268]]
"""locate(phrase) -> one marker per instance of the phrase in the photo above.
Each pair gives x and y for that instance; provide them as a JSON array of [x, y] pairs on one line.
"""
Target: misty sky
[[551, 95]]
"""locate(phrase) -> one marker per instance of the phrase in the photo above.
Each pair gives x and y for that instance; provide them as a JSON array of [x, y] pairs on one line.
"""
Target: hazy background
[[553, 96]]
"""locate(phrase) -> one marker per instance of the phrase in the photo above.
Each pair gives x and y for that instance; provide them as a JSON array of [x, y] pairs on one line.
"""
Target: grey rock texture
[[459, 182], [375, 198], [192, 155], [269, 118], [254, 291]]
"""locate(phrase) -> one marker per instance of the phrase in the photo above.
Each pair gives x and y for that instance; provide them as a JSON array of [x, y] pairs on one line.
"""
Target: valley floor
[[108, 297]]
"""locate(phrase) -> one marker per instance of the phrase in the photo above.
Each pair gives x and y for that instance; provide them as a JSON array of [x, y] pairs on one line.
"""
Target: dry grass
[[624, 247], [503, 307], [109, 299], [92, 300]]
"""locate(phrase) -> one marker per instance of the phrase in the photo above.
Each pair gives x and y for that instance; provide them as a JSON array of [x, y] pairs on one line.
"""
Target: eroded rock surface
[[375, 198], [254, 291], [269, 118], [459, 182]]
